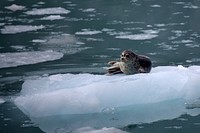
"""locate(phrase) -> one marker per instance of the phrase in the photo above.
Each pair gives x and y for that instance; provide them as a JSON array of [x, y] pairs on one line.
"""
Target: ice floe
[[15, 7], [65, 43], [67, 94], [137, 36], [46, 11], [13, 29], [156, 6], [146, 35], [18, 47], [93, 130], [1, 24], [88, 32], [25, 58], [88, 10], [38, 41], [191, 6], [52, 17], [1, 101]]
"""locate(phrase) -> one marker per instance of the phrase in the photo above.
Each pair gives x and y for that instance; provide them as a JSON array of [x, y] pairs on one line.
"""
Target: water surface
[[42, 38]]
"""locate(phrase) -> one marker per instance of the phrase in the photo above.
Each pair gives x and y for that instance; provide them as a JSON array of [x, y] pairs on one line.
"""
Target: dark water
[[81, 36]]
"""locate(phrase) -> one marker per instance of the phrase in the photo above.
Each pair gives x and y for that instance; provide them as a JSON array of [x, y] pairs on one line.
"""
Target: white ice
[[44, 11], [38, 41], [146, 35], [137, 37], [15, 7], [25, 58], [103, 130], [53, 17], [1, 24], [1, 101], [88, 10], [73, 102], [88, 32], [87, 93], [65, 43], [12, 29], [155, 6], [191, 6]]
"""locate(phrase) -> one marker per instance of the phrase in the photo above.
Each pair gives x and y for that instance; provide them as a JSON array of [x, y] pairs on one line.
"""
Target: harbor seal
[[130, 63]]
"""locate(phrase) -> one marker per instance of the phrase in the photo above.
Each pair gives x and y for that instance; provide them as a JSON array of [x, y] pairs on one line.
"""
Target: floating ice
[[18, 47], [1, 101], [1, 24], [15, 7], [65, 43], [192, 45], [103, 130], [191, 6], [114, 49], [41, 3], [107, 30], [43, 11], [121, 33], [12, 29], [156, 6], [53, 17], [179, 3], [76, 102], [88, 10], [38, 41], [160, 25], [88, 32], [87, 93], [137, 36], [195, 60], [25, 58], [146, 35]]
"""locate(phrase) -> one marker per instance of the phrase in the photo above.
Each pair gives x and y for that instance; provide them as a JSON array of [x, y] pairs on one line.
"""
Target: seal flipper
[[114, 70], [112, 62]]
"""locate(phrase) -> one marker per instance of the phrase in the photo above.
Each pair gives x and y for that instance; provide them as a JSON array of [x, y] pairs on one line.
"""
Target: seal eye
[[127, 56]]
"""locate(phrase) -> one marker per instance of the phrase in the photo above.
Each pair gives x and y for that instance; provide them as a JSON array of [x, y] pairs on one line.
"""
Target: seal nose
[[122, 58]]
